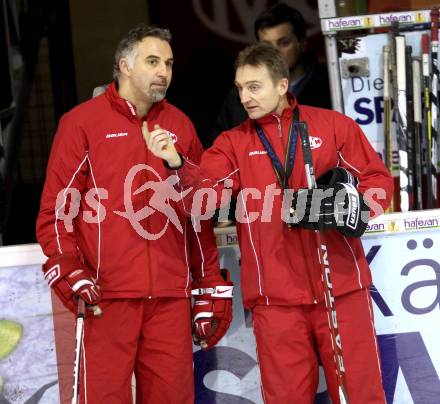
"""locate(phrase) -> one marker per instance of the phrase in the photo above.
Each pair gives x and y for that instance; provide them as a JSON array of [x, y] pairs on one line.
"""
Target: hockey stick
[[325, 274], [80, 317], [434, 102], [427, 110], [78, 348], [417, 94], [402, 123], [410, 125], [387, 115], [394, 31]]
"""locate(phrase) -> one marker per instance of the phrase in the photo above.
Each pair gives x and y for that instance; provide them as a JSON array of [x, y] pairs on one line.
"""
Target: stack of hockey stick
[[416, 121]]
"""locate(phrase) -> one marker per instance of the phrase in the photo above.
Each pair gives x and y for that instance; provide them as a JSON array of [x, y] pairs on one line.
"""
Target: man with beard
[[114, 249]]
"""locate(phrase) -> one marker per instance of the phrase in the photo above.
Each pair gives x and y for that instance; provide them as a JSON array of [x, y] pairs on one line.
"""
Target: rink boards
[[404, 255]]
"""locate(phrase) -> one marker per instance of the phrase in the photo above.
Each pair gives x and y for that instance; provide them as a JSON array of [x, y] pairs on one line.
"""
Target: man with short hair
[[262, 162], [283, 27], [127, 246]]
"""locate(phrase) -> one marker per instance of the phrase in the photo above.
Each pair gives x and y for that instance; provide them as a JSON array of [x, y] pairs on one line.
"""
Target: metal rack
[[331, 25]]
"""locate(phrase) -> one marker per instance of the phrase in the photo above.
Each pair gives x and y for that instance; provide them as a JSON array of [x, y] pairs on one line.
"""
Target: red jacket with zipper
[[99, 151], [278, 265]]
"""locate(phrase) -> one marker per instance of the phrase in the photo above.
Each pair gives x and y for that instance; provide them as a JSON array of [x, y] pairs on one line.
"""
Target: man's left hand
[[335, 205], [212, 310]]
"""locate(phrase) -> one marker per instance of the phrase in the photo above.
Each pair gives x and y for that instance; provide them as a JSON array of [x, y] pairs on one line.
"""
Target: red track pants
[[288, 339], [151, 338]]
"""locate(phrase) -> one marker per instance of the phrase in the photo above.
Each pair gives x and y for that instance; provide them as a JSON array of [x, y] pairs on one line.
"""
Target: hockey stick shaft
[[387, 113], [402, 123], [387, 107], [325, 275], [394, 31], [434, 102], [78, 349], [393, 65], [410, 125], [417, 94], [427, 110]]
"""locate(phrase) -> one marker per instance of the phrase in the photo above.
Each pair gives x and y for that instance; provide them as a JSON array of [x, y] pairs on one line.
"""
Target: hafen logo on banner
[[408, 222], [384, 226], [421, 223], [227, 240]]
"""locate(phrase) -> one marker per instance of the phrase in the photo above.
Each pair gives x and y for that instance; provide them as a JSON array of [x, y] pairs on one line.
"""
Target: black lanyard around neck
[[282, 173]]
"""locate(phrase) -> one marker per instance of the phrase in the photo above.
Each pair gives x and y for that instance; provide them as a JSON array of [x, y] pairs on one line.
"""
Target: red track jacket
[[274, 259], [99, 154]]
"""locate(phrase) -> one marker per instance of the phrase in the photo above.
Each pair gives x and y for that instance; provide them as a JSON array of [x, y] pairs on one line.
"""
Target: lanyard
[[282, 173]]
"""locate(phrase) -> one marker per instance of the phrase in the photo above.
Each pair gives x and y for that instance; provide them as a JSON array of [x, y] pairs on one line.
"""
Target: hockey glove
[[335, 204], [65, 276], [212, 310]]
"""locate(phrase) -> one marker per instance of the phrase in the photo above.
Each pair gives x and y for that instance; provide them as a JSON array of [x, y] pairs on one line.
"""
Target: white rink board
[[405, 261]]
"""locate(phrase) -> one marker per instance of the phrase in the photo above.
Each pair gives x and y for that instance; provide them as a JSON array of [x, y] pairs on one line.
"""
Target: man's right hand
[[68, 280], [160, 143]]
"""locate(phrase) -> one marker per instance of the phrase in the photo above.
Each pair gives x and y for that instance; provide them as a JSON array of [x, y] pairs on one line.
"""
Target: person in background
[[128, 246], [283, 27]]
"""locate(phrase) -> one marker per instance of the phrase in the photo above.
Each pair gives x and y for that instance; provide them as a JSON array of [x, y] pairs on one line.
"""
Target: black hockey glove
[[335, 204]]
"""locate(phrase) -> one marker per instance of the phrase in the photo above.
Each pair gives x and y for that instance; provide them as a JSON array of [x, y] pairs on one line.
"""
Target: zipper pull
[[280, 133]]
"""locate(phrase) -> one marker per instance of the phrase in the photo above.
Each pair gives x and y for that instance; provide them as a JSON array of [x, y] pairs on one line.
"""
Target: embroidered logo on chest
[[120, 134], [257, 152], [315, 142]]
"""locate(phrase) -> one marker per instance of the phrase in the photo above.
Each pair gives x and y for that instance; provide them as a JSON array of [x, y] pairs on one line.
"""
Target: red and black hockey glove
[[212, 309], [65, 276], [335, 204]]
